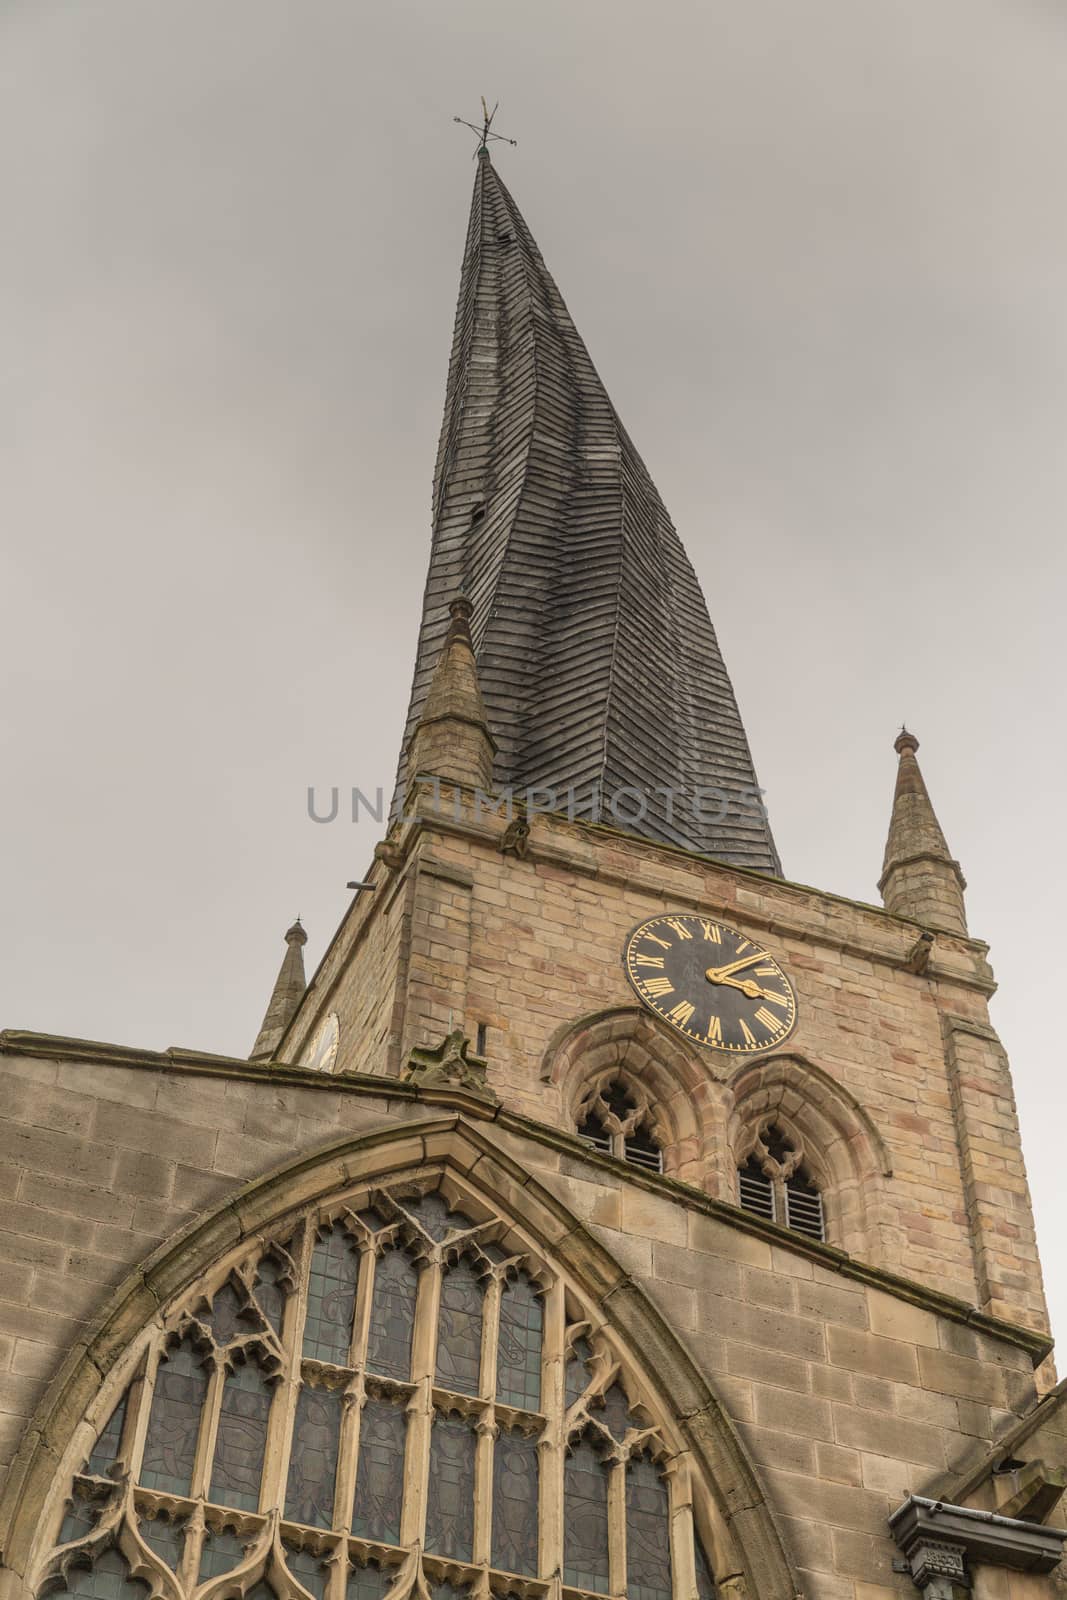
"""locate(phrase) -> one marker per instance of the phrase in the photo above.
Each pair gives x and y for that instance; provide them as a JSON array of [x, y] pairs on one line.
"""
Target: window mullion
[[420, 1409], [486, 1429], [355, 1393], [283, 1412], [682, 1536], [138, 1410], [617, 1526], [209, 1427], [552, 1445]]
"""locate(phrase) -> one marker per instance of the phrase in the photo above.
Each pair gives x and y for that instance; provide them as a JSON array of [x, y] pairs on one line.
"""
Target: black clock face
[[711, 983]]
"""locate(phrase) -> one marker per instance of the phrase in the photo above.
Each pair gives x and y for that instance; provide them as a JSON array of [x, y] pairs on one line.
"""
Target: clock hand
[[718, 974], [751, 989]]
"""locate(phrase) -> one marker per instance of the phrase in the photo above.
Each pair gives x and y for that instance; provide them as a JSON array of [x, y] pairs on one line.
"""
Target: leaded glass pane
[[81, 1517], [270, 1292], [648, 1552], [106, 1449], [228, 1317], [448, 1591], [437, 1217], [450, 1505], [368, 1583], [392, 1316], [707, 1588], [262, 1591], [107, 1579], [515, 1486], [518, 1372], [313, 1460], [242, 1438], [174, 1421], [221, 1552], [616, 1413], [577, 1376], [165, 1536], [331, 1298], [308, 1570], [459, 1338], [585, 1520], [379, 1492]]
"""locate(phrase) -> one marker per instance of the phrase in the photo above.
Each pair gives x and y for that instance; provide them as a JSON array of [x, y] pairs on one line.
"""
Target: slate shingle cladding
[[597, 659]]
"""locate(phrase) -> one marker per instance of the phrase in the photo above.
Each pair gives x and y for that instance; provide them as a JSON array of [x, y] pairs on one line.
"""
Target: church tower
[[608, 1216]]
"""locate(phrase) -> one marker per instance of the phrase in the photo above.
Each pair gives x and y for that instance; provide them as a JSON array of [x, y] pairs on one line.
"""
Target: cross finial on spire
[[485, 133]]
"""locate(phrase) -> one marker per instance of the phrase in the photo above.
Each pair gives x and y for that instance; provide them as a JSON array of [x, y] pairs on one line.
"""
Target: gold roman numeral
[[711, 931], [657, 987], [743, 944], [679, 927], [649, 961], [766, 972], [714, 1030], [664, 944], [769, 1020], [749, 1036], [778, 999], [682, 1012]]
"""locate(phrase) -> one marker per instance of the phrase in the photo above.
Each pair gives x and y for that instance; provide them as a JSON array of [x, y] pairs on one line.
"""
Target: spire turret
[[288, 992], [919, 878], [452, 739], [597, 661]]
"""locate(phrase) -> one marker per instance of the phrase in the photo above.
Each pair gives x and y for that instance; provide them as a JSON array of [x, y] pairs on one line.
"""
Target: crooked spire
[[919, 878], [288, 991], [598, 664], [452, 738]]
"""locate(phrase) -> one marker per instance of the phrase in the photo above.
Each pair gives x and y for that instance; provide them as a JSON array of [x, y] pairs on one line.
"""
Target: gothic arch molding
[[842, 1147], [732, 1508], [688, 1104]]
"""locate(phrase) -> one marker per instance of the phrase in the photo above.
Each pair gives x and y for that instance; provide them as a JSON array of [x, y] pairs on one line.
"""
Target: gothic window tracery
[[401, 1396], [616, 1119], [774, 1183]]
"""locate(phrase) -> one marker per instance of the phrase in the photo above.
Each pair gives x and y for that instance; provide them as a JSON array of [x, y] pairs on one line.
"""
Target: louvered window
[[614, 1126], [794, 1201]]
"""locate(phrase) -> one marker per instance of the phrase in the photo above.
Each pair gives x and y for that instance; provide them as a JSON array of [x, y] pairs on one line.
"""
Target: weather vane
[[485, 133]]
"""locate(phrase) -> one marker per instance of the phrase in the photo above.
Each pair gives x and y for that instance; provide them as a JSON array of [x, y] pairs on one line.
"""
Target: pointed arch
[[686, 1103], [516, 1225], [841, 1146]]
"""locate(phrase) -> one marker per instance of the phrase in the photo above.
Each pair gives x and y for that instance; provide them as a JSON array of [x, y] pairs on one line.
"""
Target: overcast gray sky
[[817, 252]]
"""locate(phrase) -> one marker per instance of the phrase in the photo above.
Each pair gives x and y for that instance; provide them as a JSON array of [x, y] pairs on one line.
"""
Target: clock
[[321, 1053], [710, 983]]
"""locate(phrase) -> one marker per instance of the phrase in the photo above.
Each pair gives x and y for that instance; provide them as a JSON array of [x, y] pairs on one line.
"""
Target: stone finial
[[452, 739], [920, 879], [288, 992], [450, 1065]]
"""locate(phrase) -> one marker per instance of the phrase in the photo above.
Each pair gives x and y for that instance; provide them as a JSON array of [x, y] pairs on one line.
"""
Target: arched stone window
[[774, 1183], [389, 1393], [618, 1120]]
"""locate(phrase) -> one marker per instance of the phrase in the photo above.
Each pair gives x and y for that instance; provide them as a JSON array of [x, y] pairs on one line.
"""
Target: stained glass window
[[648, 1554], [270, 1292], [107, 1579], [308, 1570], [392, 1316], [380, 1474], [450, 1502], [515, 1499], [393, 1412], [585, 1520], [222, 1551], [174, 1422], [368, 1583], [242, 1438], [165, 1535], [459, 1339], [577, 1378], [313, 1460], [518, 1372], [331, 1298], [106, 1449]]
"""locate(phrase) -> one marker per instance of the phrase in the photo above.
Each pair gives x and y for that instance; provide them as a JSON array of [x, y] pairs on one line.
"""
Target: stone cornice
[[38, 1046]]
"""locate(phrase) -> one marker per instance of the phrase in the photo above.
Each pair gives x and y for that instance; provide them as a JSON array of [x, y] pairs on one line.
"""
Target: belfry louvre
[[609, 1216]]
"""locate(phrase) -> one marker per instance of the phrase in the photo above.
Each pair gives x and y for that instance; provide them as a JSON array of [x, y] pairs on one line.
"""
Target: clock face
[[711, 983], [322, 1051]]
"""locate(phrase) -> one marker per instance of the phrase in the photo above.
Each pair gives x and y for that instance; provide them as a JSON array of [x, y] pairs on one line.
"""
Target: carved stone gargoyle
[[450, 1065]]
